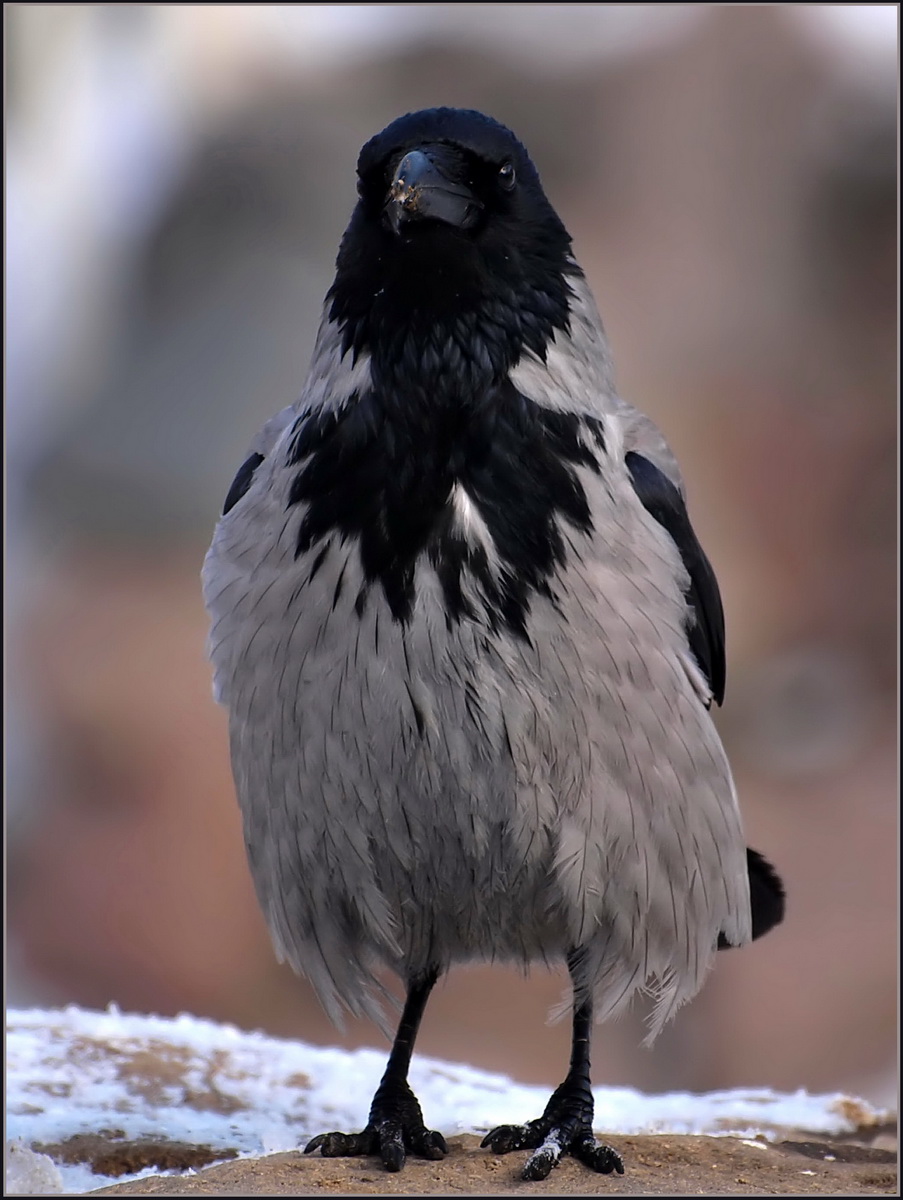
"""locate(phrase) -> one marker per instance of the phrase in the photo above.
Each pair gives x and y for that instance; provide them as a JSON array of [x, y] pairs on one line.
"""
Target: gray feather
[[434, 793]]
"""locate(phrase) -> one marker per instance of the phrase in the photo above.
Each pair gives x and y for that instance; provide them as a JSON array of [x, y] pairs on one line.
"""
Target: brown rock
[[664, 1165]]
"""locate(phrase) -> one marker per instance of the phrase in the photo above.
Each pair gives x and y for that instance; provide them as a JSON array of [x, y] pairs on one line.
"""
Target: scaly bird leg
[[566, 1126], [395, 1127]]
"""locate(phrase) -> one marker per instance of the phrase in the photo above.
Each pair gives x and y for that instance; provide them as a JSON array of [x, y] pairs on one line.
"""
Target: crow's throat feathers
[[452, 330]]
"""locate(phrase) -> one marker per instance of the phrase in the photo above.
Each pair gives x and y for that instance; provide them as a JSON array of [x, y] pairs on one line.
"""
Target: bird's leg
[[566, 1126], [396, 1124]]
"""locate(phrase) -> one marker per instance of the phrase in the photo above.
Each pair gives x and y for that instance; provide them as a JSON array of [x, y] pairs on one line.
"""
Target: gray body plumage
[[423, 793]]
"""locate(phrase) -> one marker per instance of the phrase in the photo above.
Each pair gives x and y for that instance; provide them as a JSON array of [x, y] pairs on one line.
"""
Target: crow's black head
[[452, 238], [460, 153]]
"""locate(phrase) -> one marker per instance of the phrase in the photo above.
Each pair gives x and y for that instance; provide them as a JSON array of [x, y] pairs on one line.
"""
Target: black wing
[[663, 501], [242, 481], [766, 896]]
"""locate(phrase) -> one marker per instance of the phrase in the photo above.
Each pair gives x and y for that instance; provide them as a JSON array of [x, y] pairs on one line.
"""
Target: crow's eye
[[507, 177]]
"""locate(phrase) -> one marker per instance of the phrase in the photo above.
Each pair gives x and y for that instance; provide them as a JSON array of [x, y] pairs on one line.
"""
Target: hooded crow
[[468, 640]]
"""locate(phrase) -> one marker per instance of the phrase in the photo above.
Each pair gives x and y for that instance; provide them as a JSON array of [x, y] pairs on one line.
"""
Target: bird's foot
[[395, 1129], [564, 1128]]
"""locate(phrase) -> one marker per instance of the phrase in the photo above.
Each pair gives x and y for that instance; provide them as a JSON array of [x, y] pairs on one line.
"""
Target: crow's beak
[[421, 191]]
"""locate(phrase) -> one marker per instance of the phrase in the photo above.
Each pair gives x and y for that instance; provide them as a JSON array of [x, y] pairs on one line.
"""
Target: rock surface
[[655, 1165]]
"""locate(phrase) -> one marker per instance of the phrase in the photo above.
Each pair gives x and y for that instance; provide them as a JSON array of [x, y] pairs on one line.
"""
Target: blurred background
[[177, 180]]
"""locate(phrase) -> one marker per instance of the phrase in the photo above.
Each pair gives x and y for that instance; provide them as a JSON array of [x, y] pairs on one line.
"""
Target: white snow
[[70, 1071], [30, 1174]]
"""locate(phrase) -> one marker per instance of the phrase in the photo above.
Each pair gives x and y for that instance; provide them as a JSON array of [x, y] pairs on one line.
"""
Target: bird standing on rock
[[468, 640]]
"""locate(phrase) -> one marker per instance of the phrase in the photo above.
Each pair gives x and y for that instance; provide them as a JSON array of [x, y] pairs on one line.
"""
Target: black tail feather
[[766, 895]]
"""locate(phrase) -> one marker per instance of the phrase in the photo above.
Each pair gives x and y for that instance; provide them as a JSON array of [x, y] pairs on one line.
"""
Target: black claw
[[432, 1145], [539, 1165], [505, 1138], [613, 1161], [343, 1145], [596, 1155], [391, 1149]]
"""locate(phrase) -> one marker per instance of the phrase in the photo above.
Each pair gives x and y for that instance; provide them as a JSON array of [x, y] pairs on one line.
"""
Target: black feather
[[766, 897], [242, 481], [663, 501], [381, 473]]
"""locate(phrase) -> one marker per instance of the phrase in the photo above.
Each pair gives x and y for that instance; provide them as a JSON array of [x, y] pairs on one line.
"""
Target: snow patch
[[30, 1174]]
